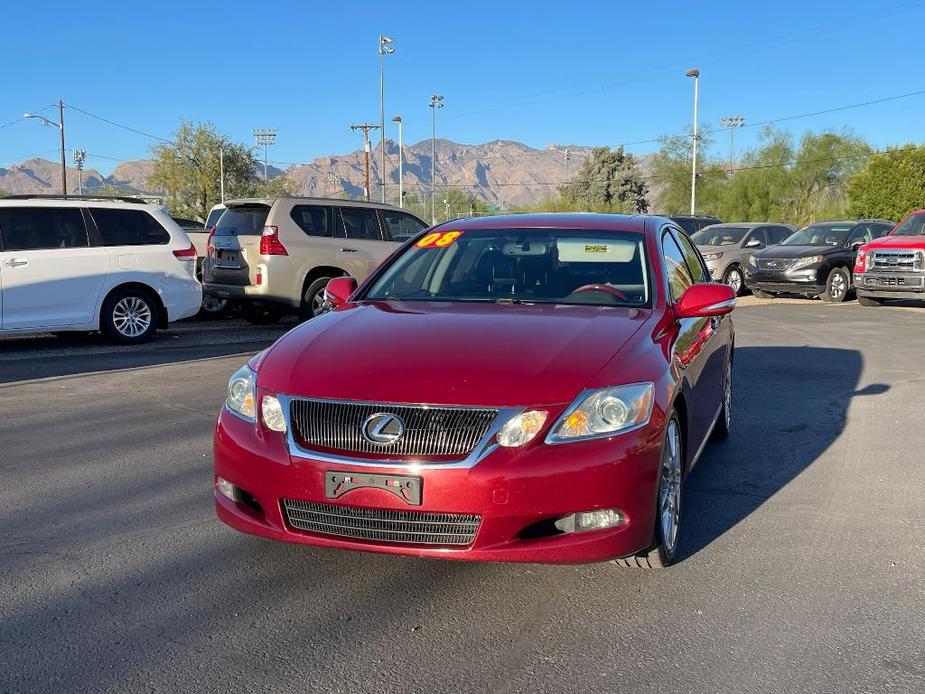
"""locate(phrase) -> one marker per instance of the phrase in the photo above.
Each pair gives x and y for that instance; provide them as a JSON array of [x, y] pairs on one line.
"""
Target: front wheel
[[724, 423], [734, 279], [129, 316], [836, 286], [313, 299], [668, 505], [868, 301]]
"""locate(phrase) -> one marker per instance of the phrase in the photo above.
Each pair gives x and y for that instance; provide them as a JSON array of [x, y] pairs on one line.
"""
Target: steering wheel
[[606, 288]]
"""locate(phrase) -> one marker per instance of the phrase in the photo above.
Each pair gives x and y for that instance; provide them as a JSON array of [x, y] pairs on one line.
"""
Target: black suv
[[694, 222], [815, 261]]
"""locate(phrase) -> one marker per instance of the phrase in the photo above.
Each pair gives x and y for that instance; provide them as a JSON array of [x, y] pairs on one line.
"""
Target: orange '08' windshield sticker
[[439, 239]]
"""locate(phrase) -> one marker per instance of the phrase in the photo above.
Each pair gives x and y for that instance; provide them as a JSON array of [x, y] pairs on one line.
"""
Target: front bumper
[[804, 281], [890, 285], [512, 490], [252, 293]]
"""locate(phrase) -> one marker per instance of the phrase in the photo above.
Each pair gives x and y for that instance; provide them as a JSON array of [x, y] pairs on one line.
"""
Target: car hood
[[449, 353], [898, 242], [796, 251]]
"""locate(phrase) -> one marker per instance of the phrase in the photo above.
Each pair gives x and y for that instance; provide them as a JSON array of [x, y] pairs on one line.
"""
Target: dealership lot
[[802, 537]]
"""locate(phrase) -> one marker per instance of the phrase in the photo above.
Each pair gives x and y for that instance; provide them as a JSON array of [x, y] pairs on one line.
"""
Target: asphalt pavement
[[802, 541]]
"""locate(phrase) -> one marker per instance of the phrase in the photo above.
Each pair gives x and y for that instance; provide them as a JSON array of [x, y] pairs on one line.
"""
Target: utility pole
[[567, 157], [436, 101], [265, 137], [401, 159], [694, 137], [365, 127], [80, 157], [731, 122], [385, 48]]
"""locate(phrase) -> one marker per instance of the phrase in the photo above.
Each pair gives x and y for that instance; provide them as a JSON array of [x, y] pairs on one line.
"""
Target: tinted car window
[[693, 259], [759, 235], [778, 234], [128, 227], [35, 228], [314, 220], [679, 277], [242, 221], [213, 218], [401, 226], [187, 223], [718, 235], [881, 230], [913, 226], [862, 233], [360, 224], [689, 225]]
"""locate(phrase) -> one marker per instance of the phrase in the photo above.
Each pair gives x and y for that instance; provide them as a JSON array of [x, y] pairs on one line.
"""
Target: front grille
[[429, 431], [897, 261], [408, 527], [774, 263]]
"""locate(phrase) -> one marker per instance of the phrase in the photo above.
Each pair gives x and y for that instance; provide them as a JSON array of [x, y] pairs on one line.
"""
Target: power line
[[118, 125]]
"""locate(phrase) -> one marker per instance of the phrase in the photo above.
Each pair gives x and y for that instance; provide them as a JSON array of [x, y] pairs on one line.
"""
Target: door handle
[[17, 262], [348, 250]]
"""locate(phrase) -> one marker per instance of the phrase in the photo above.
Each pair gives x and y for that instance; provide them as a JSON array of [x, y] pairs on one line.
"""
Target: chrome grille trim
[[382, 525], [775, 263], [429, 430], [899, 260]]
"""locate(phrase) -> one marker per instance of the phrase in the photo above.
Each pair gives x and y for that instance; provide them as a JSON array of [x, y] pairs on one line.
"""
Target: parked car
[[80, 264], [502, 389], [276, 255], [814, 261], [893, 266], [694, 222], [199, 232], [727, 247]]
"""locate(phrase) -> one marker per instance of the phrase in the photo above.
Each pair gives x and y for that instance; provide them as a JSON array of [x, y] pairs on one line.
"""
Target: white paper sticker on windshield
[[596, 250]]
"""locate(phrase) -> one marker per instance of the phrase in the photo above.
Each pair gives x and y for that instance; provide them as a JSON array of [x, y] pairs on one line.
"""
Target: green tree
[[890, 184], [608, 181], [671, 176], [760, 190]]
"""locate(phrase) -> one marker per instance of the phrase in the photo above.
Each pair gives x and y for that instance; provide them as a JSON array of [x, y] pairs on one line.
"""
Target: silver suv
[[276, 255], [727, 247]]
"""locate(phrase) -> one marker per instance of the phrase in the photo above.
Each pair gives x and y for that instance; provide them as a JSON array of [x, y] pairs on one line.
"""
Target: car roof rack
[[111, 198]]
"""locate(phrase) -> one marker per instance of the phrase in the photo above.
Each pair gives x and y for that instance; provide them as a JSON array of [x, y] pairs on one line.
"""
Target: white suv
[[119, 266]]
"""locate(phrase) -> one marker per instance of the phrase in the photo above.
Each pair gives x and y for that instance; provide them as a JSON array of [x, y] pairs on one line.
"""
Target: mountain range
[[501, 172]]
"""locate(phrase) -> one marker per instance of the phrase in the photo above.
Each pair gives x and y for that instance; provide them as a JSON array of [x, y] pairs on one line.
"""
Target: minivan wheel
[[261, 314], [734, 279], [313, 299], [868, 301], [667, 504], [129, 316], [836, 286]]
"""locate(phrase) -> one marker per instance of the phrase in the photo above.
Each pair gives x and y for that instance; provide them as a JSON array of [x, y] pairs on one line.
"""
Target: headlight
[[712, 256], [242, 397], [752, 261], [605, 412], [521, 429], [806, 262]]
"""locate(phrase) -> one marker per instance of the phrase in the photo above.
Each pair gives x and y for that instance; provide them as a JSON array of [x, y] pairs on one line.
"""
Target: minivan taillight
[[209, 246], [186, 253], [270, 243]]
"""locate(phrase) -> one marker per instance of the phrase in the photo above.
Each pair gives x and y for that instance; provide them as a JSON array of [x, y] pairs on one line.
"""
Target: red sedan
[[529, 388]]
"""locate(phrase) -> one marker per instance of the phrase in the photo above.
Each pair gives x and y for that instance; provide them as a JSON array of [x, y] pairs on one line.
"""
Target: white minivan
[[79, 264]]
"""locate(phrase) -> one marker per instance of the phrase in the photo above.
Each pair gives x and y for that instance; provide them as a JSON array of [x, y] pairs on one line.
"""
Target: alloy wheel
[[318, 303], [727, 398], [131, 316], [838, 286], [734, 280], [669, 490], [213, 304]]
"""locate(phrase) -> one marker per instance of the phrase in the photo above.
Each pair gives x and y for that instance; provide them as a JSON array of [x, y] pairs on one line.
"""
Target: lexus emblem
[[383, 428]]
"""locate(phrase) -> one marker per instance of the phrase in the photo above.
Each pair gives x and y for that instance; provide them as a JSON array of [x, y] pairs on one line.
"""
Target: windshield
[[719, 236], [913, 226], [819, 235], [549, 266]]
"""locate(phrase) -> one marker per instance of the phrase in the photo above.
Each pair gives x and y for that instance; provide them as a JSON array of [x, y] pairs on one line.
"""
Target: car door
[[51, 275], [361, 245]]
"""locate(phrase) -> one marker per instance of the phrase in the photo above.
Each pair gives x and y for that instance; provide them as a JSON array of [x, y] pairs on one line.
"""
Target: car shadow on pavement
[[789, 405]]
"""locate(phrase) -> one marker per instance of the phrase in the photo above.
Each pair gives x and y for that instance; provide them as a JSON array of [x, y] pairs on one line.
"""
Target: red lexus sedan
[[529, 388]]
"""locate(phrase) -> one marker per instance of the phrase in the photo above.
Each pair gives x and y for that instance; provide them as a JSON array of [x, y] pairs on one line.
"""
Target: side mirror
[[855, 245], [339, 290], [753, 243], [704, 300]]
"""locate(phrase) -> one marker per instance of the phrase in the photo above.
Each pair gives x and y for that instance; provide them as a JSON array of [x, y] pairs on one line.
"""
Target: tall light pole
[[694, 137], [385, 48], [436, 101], [221, 171], [265, 137], [80, 156], [731, 122], [60, 126], [365, 127], [401, 160]]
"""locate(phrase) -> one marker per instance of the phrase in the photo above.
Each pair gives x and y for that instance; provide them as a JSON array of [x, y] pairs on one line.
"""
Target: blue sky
[[539, 72]]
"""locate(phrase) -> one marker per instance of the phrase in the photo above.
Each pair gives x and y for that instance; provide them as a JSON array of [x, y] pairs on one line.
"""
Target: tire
[[836, 286], [260, 314], [723, 426], [761, 294], [129, 316], [313, 299], [735, 278], [869, 301], [213, 307], [665, 541]]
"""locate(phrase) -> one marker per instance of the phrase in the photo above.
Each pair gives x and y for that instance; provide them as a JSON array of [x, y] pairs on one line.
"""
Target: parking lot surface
[[802, 541]]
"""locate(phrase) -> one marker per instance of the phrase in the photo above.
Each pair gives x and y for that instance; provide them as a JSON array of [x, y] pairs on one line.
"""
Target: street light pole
[[401, 159], [436, 101], [731, 122], [385, 48], [265, 137], [694, 137], [221, 171], [60, 127]]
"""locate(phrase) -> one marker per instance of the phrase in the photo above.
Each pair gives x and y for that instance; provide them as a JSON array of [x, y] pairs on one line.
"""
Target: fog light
[[273, 414], [226, 488], [590, 520]]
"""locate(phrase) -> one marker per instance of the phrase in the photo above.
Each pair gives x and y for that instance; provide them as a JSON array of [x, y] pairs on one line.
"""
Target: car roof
[[85, 201], [553, 220], [312, 200]]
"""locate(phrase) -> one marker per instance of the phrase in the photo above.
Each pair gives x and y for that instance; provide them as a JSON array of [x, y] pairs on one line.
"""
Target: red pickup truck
[[893, 266]]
